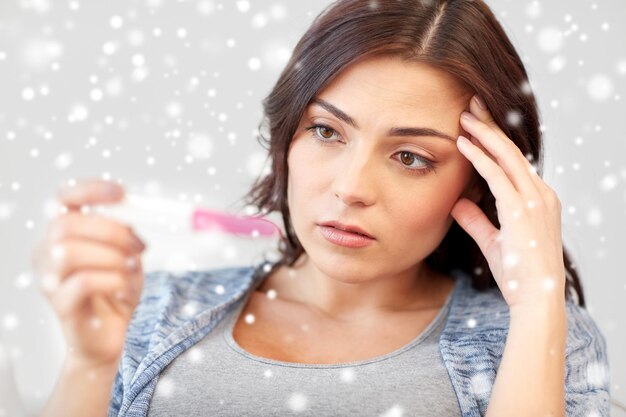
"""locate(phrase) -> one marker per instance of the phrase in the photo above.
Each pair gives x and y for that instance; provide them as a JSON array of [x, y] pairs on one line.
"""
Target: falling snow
[[600, 87], [348, 375], [243, 5], [122, 91], [512, 284], [200, 146], [195, 355], [116, 22], [481, 384], [254, 63], [510, 260], [165, 387], [10, 322], [597, 374], [550, 39], [297, 402]]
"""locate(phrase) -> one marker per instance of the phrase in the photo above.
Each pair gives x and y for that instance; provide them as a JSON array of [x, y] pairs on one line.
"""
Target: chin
[[340, 266]]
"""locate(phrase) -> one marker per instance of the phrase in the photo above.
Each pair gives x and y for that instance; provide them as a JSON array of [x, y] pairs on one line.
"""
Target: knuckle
[[112, 231], [109, 234], [135, 285], [131, 264], [60, 251], [121, 295], [62, 255], [517, 209], [514, 149], [66, 193], [490, 169], [48, 284], [61, 226], [129, 234], [48, 256], [552, 198], [501, 205], [126, 230], [82, 283], [491, 240]]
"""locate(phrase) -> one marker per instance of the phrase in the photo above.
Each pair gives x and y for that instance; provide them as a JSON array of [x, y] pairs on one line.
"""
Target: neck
[[354, 294]]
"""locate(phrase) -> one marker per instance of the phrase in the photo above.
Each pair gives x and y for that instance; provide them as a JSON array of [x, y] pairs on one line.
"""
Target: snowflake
[[297, 402], [347, 375], [243, 6], [481, 384], [550, 39], [116, 22], [600, 87], [597, 374], [254, 63], [165, 387]]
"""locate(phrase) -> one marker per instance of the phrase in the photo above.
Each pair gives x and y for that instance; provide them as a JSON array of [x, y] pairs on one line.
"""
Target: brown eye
[[327, 130], [407, 157], [323, 133]]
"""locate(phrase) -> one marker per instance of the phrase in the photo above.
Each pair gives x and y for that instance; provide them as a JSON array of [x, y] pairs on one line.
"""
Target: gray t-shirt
[[216, 377]]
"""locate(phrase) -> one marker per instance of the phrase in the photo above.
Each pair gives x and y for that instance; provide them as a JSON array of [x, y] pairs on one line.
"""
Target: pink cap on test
[[207, 220]]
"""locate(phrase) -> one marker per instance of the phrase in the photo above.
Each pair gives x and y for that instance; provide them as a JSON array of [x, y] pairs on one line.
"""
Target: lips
[[348, 228]]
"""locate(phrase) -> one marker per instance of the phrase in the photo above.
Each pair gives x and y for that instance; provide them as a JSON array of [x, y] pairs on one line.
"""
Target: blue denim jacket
[[178, 309]]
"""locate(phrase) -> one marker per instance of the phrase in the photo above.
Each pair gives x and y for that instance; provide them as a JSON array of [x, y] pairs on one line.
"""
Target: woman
[[421, 273]]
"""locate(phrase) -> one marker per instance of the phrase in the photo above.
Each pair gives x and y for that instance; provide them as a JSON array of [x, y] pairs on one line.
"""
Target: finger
[[500, 186], [100, 229], [474, 221], [89, 192], [507, 154], [484, 115], [481, 111], [80, 287], [71, 255]]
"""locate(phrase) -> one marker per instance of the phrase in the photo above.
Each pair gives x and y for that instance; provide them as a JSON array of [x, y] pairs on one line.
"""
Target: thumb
[[472, 219]]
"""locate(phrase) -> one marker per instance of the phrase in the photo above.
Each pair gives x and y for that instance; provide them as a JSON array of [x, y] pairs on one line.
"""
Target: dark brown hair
[[461, 37]]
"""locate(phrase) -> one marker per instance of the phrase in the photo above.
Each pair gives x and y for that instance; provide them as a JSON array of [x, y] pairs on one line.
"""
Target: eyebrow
[[394, 131]]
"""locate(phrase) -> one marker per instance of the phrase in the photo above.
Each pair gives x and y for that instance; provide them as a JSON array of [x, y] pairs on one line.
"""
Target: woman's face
[[398, 188]]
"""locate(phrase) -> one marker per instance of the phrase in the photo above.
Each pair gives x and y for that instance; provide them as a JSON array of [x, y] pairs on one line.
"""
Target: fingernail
[[468, 116], [463, 141], [480, 102]]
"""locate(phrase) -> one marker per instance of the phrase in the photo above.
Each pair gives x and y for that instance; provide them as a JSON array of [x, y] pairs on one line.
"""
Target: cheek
[[420, 224], [427, 210], [305, 176], [300, 180], [419, 214]]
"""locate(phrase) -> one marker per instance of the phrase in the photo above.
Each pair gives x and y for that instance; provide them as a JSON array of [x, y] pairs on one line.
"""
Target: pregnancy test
[[179, 216]]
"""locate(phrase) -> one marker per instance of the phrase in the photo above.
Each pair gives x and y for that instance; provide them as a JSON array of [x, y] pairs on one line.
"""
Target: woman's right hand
[[89, 268]]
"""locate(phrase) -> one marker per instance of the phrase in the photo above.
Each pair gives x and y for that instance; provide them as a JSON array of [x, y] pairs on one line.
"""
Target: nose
[[354, 181]]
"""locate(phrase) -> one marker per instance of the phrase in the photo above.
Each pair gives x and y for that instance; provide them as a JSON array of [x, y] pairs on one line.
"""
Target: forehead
[[395, 83]]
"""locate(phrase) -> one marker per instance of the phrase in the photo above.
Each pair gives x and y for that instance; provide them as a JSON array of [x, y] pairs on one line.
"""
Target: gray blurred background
[[165, 97]]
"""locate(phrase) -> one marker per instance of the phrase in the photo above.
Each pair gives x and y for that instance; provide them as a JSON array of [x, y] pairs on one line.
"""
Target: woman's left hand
[[525, 255]]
